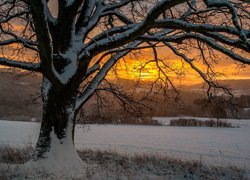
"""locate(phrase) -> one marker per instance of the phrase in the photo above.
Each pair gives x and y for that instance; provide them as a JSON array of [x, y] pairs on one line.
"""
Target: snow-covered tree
[[78, 41]]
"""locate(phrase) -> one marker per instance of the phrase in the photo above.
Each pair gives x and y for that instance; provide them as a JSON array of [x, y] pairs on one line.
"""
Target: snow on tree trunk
[[55, 151]]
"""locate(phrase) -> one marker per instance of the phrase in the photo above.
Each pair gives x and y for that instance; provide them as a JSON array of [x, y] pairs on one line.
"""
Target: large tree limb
[[90, 89], [20, 64], [213, 36], [26, 43], [211, 42], [45, 44], [85, 15], [89, 17], [133, 33], [187, 26]]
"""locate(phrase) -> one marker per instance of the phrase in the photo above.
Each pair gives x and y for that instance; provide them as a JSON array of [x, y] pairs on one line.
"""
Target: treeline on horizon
[[22, 101]]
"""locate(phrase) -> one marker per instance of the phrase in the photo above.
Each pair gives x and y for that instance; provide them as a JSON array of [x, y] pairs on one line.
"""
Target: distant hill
[[17, 95], [234, 84], [20, 97]]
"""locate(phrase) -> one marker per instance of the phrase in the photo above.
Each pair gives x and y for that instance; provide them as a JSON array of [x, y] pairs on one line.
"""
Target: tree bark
[[55, 146], [57, 123]]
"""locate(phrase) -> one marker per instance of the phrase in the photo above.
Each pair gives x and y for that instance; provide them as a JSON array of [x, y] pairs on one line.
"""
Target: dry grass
[[157, 166], [113, 165], [12, 155]]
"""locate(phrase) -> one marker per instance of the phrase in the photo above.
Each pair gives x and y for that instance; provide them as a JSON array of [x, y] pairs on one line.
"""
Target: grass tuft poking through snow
[[111, 165]]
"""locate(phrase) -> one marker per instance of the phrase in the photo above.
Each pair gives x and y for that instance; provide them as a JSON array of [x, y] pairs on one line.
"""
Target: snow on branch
[[85, 14], [92, 69], [84, 29], [40, 16], [213, 37], [233, 11], [20, 64], [119, 15], [132, 33], [211, 42], [110, 32], [97, 66], [117, 5], [90, 89], [26, 43], [88, 19], [229, 41], [219, 47], [180, 24]]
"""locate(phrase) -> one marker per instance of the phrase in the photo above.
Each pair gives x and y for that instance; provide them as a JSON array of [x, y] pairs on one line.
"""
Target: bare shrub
[[195, 122]]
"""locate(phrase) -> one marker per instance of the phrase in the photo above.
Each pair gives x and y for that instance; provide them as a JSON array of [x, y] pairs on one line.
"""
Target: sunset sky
[[129, 67]]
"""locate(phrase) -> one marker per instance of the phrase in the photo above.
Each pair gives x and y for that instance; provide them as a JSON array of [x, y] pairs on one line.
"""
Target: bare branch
[[101, 75], [211, 42], [20, 64], [133, 33]]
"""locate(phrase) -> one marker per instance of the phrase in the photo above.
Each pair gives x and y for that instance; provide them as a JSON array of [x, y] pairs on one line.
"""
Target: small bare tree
[[75, 43]]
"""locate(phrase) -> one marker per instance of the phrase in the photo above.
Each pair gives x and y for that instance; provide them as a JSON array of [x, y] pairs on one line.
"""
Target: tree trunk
[[55, 149]]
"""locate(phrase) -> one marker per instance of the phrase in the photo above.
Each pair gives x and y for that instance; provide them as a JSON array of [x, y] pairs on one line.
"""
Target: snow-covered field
[[216, 146]]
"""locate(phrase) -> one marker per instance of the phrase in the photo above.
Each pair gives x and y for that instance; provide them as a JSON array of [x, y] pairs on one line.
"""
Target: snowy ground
[[216, 146], [112, 166]]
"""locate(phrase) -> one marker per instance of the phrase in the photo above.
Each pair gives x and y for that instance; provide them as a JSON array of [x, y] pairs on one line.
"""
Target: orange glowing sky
[[128, 68]]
